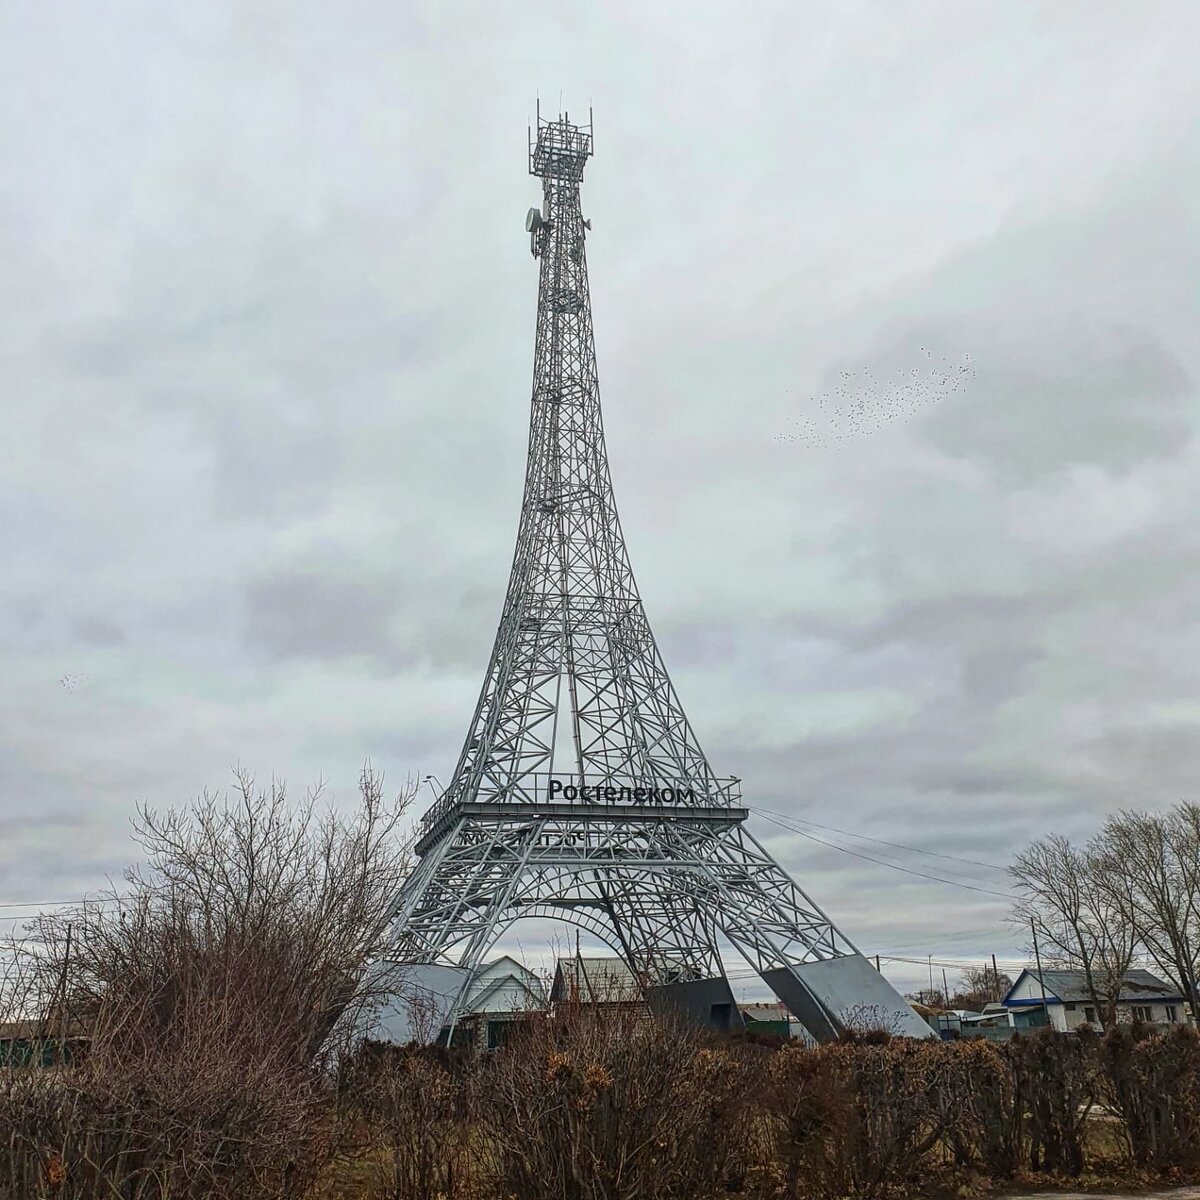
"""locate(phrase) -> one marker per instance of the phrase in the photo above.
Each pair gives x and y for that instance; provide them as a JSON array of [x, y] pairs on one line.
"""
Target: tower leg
[[796, 949], [708, 1003], [656, 892], [839, 994]]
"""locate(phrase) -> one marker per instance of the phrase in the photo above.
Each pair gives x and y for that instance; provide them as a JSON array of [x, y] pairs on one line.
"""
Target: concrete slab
[[843, 993], [705, 1002], [418, 1007]]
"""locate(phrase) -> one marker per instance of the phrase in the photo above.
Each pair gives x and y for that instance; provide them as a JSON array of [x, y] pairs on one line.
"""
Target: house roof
[[595, 980], [1004, 1016], [505, 985], [1070, 987], [505, 966]]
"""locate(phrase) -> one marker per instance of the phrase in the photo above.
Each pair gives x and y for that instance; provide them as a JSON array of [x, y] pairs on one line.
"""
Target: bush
[[216, 997], [986, 1125], [1152, 1080], [596, 1105], [416, 1105], [812, 1108], [1055, 1080], [612, 1104]]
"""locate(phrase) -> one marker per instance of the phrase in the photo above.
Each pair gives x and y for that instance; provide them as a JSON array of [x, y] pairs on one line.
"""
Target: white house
[[505, 986], [1143, 997], [500, 993]]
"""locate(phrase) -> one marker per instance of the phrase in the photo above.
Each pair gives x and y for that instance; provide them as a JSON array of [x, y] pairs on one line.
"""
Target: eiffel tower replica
[[582, 793]]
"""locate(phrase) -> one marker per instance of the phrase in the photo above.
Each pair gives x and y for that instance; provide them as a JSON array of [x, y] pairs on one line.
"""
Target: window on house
[[1141, 1012], [1070, 1006], [1089, 1015], [1172, 1013]]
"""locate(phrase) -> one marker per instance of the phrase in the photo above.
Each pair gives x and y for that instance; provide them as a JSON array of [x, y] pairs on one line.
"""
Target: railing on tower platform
[[611, 792]]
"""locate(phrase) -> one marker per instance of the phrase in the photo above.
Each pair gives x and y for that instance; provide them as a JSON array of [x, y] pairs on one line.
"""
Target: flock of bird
[[863, 404], [72, 681]]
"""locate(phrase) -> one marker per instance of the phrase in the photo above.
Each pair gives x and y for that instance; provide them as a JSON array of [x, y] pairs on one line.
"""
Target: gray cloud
[[265, 353], [315, 616], [95, 631], [1114, 400]]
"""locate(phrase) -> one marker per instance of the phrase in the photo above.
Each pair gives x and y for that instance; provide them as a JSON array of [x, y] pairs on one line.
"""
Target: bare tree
[[215, 991], [1080, 923], [1152, 868], [270, 908], [979, 986]]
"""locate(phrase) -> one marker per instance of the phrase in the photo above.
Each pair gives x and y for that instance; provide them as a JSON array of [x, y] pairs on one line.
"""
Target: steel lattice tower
[[582, 793]]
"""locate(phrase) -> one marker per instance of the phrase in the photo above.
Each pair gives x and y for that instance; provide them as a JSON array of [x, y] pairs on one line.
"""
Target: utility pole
[[945, 989], [995, 976], [61, 993], [1037, 957]]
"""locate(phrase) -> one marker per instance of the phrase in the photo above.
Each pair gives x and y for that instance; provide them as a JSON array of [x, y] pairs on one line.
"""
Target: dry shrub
[[216, 998], [607, 1103], [1055, 1079], [415, 1103], [900, 1116], [870, 1115], [986, 1120], [812, 1106], [859, 1116], [589, 1104], [160, 1129], [1152, 1080]]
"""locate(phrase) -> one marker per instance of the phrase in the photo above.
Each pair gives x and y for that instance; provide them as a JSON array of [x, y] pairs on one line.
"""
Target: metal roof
[[1071, 986], [604, 980]]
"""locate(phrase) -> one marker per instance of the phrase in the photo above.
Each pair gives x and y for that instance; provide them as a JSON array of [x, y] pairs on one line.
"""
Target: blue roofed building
[[1068, 1003]]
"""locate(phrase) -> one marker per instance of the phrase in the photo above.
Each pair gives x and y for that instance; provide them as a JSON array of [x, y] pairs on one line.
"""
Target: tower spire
[[575, 683]]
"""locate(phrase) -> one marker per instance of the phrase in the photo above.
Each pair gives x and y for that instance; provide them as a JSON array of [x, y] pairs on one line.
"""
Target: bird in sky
[[862, 404]]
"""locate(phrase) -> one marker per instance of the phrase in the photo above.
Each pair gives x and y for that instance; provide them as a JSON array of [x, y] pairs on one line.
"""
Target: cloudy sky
[[896, 313]]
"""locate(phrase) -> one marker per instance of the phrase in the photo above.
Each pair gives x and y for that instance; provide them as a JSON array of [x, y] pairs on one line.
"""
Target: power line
[[39, 904], [987, 931], [22, 947], [975, 862], [959, 964], [883, 862]]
